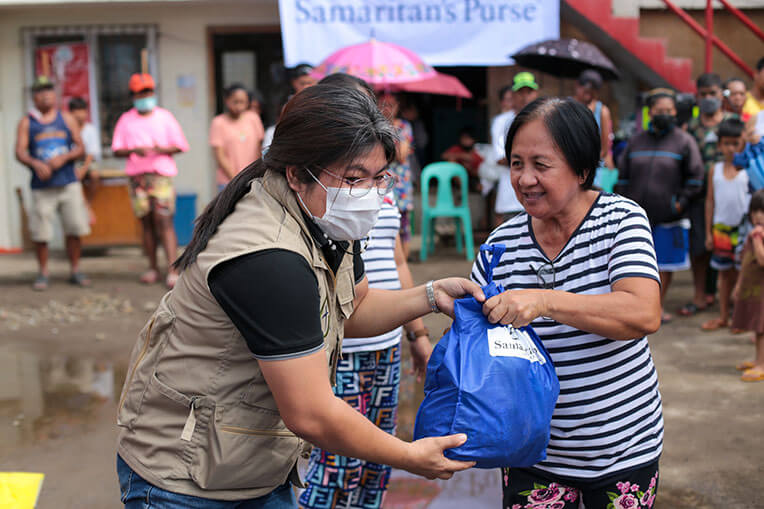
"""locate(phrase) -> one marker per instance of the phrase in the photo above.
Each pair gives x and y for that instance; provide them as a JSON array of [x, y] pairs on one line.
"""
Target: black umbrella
[[566, 58]]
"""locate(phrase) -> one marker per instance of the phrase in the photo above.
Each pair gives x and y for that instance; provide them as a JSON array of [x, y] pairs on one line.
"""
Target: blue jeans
[[137, 493]]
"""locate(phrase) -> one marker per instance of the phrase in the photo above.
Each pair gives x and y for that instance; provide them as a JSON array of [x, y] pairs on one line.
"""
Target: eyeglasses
[[545, 275], [360, 187]]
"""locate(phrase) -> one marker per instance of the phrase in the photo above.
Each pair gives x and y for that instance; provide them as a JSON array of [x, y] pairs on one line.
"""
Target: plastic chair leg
[[431, 227], [468, 240], [458, 236]]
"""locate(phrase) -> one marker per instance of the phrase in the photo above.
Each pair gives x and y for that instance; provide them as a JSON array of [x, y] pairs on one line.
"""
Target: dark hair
[[340, 79], [233, 88], [503, 91], [760, 64], [733, 80], [321, 126], [757, 202], [255, 95], [656, 94], [573, 129], [77, 103], [731, 128], [299, 70], [590, 77], [708, 79]]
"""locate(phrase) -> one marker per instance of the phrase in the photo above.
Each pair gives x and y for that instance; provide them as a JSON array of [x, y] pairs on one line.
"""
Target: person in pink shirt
[[236, 136], [148, 136]]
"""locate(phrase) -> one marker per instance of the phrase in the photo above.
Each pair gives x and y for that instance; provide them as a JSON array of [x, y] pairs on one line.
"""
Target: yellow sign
[[19, 490]]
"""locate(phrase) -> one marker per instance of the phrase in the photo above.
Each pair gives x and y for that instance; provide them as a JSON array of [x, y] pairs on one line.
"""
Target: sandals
[[690, 309], [753, 375], [172, 278], [41, 283], [666, 318], [79, 279], [715, 324], [745, 366], [150, 277]]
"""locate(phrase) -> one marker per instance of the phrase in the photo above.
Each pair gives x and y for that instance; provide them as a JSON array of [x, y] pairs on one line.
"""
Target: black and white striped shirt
[[379, 264], [608, 417]]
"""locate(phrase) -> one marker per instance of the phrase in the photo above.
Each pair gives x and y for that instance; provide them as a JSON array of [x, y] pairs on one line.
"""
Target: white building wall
[[182, 50]]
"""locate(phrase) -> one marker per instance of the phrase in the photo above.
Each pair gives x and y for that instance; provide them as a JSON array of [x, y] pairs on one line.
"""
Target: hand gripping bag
[[495, 383]]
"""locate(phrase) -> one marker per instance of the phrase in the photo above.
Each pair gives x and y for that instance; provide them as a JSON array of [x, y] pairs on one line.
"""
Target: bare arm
[[607, 130], [41, 168], [630, 311], [378, 311], [84, 167], [78, 149], [758, 247], [710, 210], [420, 347], [310, 409], [223, 162]]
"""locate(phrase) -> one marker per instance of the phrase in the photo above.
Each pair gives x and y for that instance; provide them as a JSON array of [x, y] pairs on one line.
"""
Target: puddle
[[53, 397]]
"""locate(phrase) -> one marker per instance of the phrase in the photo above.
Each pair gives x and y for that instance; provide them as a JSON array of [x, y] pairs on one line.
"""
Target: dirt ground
[[63, 355]]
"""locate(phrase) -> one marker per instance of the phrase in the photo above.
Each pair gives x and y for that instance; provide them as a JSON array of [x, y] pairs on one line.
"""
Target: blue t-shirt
[[47, 141]]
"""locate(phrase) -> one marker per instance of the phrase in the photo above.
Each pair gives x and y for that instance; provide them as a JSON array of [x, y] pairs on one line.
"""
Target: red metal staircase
[[651, 52]]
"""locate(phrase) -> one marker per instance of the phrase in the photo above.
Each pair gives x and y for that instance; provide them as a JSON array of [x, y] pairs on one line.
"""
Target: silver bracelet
[[431, 297]]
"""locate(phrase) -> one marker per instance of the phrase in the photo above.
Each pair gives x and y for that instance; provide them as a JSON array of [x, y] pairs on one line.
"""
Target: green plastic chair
[[444, 173], [605, 178]]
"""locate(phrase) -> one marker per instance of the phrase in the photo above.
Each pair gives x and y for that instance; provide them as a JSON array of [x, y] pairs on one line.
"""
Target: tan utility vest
[[196, 415]]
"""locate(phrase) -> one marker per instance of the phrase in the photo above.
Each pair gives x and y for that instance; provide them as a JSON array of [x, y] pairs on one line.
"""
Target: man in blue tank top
[[48, 142]]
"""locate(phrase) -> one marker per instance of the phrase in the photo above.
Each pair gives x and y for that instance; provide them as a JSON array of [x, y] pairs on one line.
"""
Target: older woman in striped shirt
[[580, 267]]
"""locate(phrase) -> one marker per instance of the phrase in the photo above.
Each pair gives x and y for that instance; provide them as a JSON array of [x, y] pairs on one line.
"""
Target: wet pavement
[[62, 363]]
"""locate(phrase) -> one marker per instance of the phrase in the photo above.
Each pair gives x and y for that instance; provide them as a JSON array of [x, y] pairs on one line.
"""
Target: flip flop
[[79, 279], [690, 309], [666, 318], [715, 324], [41, 283], [753, 375], [150, 277], [745, 366]]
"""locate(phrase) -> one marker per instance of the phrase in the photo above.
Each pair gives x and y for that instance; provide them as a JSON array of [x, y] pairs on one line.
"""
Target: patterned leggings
[[369, 382], [524, 488]]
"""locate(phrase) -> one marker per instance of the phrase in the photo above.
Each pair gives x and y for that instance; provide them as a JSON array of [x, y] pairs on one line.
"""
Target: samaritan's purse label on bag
[[506, 341]]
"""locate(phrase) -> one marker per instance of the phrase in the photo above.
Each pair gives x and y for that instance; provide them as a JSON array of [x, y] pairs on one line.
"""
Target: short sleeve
[[176, 136], [260, 292], [119, 139], [92, 141], [216, 132], [632, 253]]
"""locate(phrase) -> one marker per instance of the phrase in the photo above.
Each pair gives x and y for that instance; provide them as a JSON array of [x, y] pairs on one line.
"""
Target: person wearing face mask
[[661, 169], [236, 136], [148, 136], [705, 129], [231, 379]]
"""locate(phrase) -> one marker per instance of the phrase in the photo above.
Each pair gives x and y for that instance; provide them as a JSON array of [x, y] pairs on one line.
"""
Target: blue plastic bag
[[495, 383]]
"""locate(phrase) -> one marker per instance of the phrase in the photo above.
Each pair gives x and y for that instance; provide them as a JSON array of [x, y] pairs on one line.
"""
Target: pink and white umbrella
[[377, 63]]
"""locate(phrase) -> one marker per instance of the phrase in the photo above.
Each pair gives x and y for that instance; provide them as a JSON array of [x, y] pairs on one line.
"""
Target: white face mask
[[347, 217]]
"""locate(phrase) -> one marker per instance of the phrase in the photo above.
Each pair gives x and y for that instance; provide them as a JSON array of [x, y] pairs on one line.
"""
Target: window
[[114, 54]]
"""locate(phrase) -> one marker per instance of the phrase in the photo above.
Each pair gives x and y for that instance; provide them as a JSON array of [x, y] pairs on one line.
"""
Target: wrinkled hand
[[452, 288], [57, 162], [426, 457], [42, 170], [516, 307], [420, 354]]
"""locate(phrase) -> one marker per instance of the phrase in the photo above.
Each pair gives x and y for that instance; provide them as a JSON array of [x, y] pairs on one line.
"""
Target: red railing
[[708, 32]]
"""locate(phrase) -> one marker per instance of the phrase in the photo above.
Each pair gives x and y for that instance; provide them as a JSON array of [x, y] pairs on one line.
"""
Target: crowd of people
[[317, 208]]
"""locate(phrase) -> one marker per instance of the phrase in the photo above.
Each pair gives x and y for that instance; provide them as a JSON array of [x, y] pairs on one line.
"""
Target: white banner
[[441, 32]]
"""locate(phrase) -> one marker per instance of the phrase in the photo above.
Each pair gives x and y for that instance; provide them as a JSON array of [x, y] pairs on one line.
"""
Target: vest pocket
[[248, 449], [142, 363]]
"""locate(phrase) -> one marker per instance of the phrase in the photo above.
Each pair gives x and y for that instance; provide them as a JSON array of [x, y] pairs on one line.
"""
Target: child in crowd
[[749, 294], [91, 139], [726, 205]]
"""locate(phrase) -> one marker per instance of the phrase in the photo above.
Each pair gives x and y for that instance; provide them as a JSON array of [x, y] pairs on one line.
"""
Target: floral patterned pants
[[532, 489]]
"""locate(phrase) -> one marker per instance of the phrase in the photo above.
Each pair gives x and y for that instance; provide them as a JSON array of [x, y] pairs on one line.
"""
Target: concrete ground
[[63, 355]]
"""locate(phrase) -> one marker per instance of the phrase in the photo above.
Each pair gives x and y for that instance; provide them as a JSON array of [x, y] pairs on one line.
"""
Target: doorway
[[252, 56]]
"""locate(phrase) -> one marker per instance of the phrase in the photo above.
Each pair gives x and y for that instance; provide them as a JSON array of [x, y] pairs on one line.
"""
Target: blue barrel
[[185, 213]]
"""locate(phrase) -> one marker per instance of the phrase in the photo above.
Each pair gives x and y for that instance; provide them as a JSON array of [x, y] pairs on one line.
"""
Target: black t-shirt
[[272, 297]]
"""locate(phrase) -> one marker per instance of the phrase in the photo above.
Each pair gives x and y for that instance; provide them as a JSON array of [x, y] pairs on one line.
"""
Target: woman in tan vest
[[231, 379]]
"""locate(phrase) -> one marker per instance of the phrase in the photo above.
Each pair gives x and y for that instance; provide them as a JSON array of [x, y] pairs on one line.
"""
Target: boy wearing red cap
[[148, 136]]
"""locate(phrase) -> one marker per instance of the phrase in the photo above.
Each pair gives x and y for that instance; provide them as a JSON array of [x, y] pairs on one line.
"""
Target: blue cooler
[[185, 213]]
